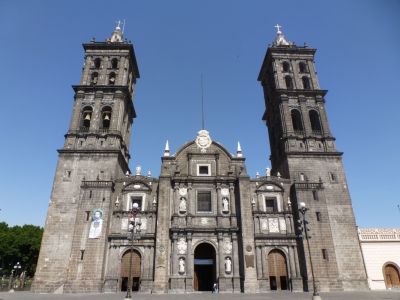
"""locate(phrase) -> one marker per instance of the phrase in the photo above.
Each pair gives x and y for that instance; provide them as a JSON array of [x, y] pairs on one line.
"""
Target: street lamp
[[134, 229], [15, 269], [303, 209]]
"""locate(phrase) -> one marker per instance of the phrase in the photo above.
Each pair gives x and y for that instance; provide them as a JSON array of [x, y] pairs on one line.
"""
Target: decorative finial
[[257, 175], [148, 173], [239, 150], [280, 39], [268, 172], [278, 29], [117, 35], [278, 174], [166, 150], [138, 170]]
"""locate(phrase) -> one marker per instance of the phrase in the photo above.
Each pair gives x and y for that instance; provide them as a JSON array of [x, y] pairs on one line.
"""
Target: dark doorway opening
[[135, 284], [204, 267]]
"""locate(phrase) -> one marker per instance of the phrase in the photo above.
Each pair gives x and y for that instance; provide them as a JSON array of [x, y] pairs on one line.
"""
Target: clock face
[[224, 192]]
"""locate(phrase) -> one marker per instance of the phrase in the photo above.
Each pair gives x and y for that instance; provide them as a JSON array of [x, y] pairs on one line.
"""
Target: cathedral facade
[[204, 222]]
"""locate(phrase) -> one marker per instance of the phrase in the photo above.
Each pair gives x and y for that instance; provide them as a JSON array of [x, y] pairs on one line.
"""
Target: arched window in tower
[[314, 120], [289, 82], [86, 117], [106, 117], [94, 78], [306, 83], [296, 120], [111, 78], [285, 66], [114, 63], [97, 63], [302, 67]]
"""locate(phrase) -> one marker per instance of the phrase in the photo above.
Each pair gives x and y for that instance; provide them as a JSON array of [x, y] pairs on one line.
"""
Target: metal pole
[[128, 291], [303, 211], [315, 293]]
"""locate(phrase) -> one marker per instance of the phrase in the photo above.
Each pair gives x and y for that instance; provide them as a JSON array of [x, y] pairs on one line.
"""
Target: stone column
[[264, 260], [259, 263], [219, 199], [221, 267], [232, 203], [189, 264], [175, 201], [191, 206], [296, 258], [235, 257], [292, 262], [174, 256]]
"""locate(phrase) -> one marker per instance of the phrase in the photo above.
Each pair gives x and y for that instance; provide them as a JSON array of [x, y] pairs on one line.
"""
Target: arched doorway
[[204, 267], [391, 276], [136, 267], [277, 268]]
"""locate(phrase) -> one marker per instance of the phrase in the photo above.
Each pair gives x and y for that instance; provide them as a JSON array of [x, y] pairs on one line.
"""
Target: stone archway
[[136, 270], [391, 276], [277, 269], [204, 267]]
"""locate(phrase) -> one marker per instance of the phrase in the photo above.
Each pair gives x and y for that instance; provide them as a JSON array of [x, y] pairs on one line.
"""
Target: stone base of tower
[[355, 285], [41, 286], [83, 286]]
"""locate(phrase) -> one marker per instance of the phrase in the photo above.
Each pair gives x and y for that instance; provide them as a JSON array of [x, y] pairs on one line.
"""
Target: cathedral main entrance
[[391, 276], [277, 268], [204, 267], [135, 271]]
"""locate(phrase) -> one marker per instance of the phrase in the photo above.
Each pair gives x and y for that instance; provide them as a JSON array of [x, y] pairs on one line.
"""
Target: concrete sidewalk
[[383, 295]]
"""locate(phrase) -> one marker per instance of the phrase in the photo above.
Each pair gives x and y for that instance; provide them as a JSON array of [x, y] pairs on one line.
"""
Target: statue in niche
[[228, 265], [182, 205], [181, 265], [97, 224], [225, 204]]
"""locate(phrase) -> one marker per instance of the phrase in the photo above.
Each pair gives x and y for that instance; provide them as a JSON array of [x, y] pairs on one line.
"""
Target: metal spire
[[202, 103]]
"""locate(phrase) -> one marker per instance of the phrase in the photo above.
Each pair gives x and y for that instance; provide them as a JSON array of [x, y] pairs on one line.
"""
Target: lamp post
[[303, 209], [134, 229], [15, 269]]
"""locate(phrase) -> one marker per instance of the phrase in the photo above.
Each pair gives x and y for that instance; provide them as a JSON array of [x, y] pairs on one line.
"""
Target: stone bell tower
[[303, 150], [95, 151]]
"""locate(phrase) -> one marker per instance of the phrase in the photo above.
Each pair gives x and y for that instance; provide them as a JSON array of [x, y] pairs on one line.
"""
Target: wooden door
[[277, 269], [391, 276], [136, 269]]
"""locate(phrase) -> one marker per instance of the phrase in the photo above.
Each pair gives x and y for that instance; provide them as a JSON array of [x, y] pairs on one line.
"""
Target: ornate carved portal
[[136, 270], [277, 268], [391, 276]]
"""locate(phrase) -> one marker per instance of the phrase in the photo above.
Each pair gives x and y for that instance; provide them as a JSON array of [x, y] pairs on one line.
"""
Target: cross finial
[[118, 24], [278, 28]]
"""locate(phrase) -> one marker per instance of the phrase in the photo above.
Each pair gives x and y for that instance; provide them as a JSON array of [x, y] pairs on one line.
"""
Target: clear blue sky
[[175, 41]]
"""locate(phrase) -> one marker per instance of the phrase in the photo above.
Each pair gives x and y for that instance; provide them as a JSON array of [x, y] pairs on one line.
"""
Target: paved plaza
[[384, 295]]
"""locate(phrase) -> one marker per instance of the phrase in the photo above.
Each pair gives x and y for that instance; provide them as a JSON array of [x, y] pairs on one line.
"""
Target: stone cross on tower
[[278, 28]]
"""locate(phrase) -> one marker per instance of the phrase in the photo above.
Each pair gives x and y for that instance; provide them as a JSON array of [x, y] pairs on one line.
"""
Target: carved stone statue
[[225, 204], [182, 205], [181, 265], [228, 265], [268, 172]]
